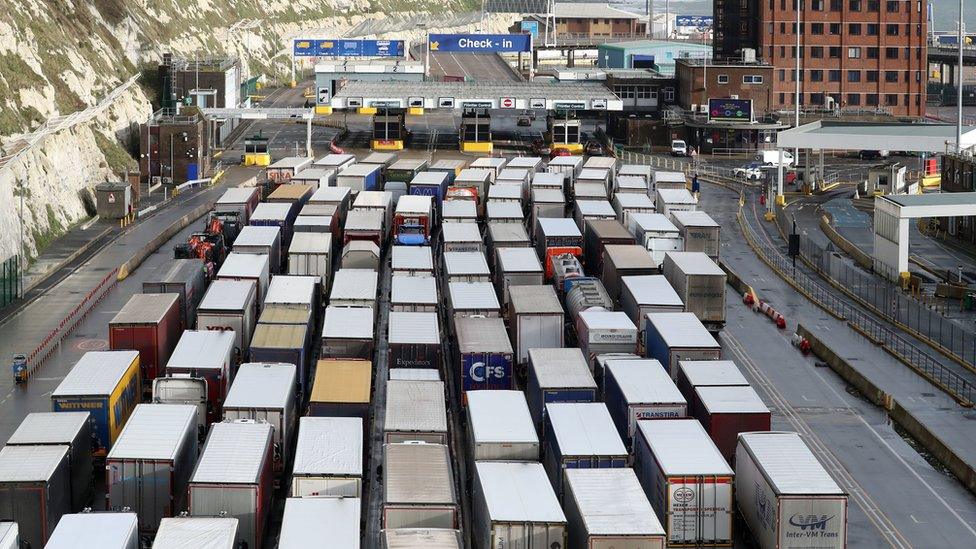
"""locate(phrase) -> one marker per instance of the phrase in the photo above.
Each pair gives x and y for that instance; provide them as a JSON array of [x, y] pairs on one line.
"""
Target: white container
[[536, 320], [505, 212], [674, 200], [700, 283], [377, 201], [241, 199], [101, 530], [785, 495], [314, 177], [668, 180], [365, 225], [601, 332], [628, 204], [589, 191], [186, 532], [415, 411], [266, 392], [148, 467], [465, 267], [580, 435], [255, 239], [335, 161], [599, 176], [349, 332], [473, 299], [585, 210], [641, 171], [459, 211], [516, 267], [234, 478], [311, 254], [644, 294], [314, 224], [670, 337], [308, 522], [656, 233], [700, 232], [607, 508], [354, 288], [332, 196], [531, 163], [360, 254], [328, 458], [414, 374], [462, 238], [428, 538], [687, 481], [550, 180], [546, 202], [621, 260], [297, 292], [414, 293], [557, 375], [419, 487], [359, 177], [494, 164], [568, 165], [640, 389], [256, 267], [513, 505], [505, 235], [505, 191], [412, 261], [629, 184], [500, 427], [230, 305]]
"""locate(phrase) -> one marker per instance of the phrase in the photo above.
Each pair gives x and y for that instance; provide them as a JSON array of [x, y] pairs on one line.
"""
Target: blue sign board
[[486, 371], [348, 48], [480, 43], [694, 21], [531, 27]]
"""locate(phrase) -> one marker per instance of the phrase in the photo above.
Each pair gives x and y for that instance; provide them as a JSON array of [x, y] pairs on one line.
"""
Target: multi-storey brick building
[[853, 53]]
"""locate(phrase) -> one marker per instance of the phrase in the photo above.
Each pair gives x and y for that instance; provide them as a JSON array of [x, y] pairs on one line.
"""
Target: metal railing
[[10, 280]]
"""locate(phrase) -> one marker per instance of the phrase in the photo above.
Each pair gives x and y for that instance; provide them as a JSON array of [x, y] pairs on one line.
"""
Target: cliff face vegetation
[[61, 58]]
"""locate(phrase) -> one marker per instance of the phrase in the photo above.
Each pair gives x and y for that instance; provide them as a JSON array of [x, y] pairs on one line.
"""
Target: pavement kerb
[[127, 267], [899, 414], [74, 255]]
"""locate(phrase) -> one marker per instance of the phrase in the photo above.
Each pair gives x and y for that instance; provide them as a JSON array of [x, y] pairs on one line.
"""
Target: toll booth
[[389, 131], [256, 152], [476, 131], [563, 132]]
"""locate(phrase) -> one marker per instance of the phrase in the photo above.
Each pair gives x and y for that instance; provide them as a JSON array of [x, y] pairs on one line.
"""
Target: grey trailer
[[35, 489]]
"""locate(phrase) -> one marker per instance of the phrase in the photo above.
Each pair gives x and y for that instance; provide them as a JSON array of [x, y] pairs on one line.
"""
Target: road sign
[[480, 43], [600, 104], [304, 47], [531, 27], [730, 110], [694, 21], [537, 103], [506, 103], [323, 96]]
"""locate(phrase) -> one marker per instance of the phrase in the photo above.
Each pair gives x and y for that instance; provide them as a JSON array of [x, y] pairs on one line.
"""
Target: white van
[[772, 158], [679, 148]]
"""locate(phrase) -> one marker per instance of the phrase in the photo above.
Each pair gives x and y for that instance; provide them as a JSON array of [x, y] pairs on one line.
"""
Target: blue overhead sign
[[348, 48], [694, 21], [480, 43], [531, 27]]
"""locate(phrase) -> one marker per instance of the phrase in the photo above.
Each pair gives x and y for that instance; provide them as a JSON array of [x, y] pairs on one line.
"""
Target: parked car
[[751, 171], [524, 121], [541, 148], [559, 151], [594, 148], [679, 148], [872, 155]]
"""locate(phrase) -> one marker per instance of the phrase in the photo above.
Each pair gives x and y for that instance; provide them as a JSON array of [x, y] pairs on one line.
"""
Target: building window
[[836, 5], [816, 28], [853, 53], [772, 5], [816, 75], [794, 28], [872, 29], [891, 99], [891, 29], [833, 75], [752, 79], [816, 52], [782, 27], [782, 75], [871, 100], [723, 79], [908, 53], [873, 5], [872, 76], [835, 28], [669, 94], [918, 76], [891, 53], [782, 5], [893, 6], [833, 52], [854, 5], [918, 30], [891, 76], [817, 5], [782, 51], [770, 52], [816, 98], [782, 98], [853, 76], [872, 53], [854, 29], [853, 99]]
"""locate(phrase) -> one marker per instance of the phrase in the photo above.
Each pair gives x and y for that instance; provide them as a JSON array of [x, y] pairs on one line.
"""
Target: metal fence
[[10, 281]]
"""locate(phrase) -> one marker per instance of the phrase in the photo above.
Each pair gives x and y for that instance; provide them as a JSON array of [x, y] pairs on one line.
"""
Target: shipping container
[[382, 159], [585, 211], [354, 288], [256, 267], [266, 392], [230, 305], [700, 232], [641, 171], [472, 299], [485, 354], [706, 373], [415, 410], [360, 254], [342, 388], [328, 458], [535, 320], [599, 233], [35, 489], [283, 170], [295, 291], [182, 389], [671, 337], [516, 267], [590, 191], [513, 505], [261, 240], [550, 180], [184, 277], [620, 260], [414, 340], [635, 390], [234, 478], [580, 435], [532, 163], [505, 235], [185, 532], [661, 179], [628, 204], [630, 184], [293, 193], [506, 191], [657, 234], [335, 161], [364, 225], [430, 183], [428, 538], [414, 293], [413, 220], [727, 411], [419, 487], [405, 169], [785, 495], [241, 199], [412, 261], [601, 332], [150, 324], [465, 267], [414, 374], [546, 202], [312, 522], [515, 177], [701, 285], [361, 178], [73, 429], [459, 211], [599, 367], [149, 466], [462, 238], [101, 530], [210, 356], [327, 210], [311, 254], [316, 178], [316, 224], [602, 163], [557, 375], [494, 164], [280, 215], [348, 332], [107, 385], [500, 427], [607, 508], [687, 481], [669, 201], [286, 343], [569, 166], [504, 212], [640, 295]]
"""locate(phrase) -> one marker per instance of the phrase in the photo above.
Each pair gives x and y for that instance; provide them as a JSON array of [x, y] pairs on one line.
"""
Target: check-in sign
[[480, 43]]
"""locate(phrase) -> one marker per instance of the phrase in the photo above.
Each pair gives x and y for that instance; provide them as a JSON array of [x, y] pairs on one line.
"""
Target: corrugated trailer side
[[185, 277], [35, 489], [513, 505], [419, 487], [150, 324]]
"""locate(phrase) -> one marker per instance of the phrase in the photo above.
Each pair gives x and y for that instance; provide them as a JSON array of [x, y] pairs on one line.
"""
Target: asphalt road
[[486, 67]]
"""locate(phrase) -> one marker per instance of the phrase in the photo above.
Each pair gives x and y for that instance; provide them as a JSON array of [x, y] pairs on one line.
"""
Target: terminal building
[[660, 55], [175, 146], [205, 82], [593, 20]]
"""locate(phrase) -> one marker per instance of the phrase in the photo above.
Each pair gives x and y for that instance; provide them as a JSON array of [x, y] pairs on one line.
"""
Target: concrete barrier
[[858, 255], [161, 238], [736, 281], [843, 368]]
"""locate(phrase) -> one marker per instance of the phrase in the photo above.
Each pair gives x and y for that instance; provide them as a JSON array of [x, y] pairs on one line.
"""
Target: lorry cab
[[412, 220]]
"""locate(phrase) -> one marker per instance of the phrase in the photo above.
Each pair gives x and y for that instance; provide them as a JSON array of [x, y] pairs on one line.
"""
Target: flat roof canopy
[[488, 95], [855, 136], [914, 206]]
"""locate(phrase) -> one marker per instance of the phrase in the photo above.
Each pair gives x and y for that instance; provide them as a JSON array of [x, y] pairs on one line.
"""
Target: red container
[[150, 324], [725, 412]]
